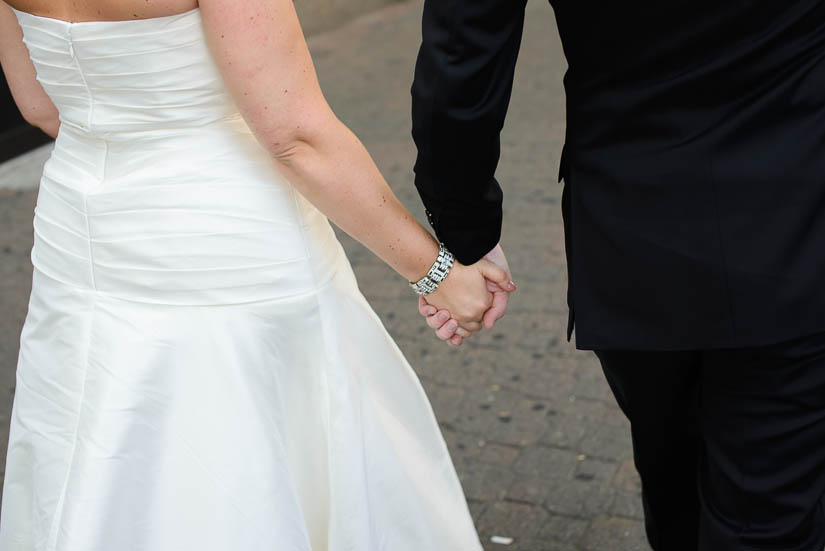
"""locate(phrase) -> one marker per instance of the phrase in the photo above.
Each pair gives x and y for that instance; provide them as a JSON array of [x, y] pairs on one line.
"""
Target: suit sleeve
[[463, 81]]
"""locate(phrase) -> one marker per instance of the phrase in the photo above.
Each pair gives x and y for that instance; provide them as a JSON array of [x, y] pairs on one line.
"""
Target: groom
[[694, 209]]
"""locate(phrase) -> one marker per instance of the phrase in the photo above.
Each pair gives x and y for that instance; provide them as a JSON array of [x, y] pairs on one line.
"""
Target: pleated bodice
[[157, 191], [120, 75]]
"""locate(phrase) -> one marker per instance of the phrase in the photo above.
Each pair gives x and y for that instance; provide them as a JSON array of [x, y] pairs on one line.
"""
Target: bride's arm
[[266, 64], [37, 108]]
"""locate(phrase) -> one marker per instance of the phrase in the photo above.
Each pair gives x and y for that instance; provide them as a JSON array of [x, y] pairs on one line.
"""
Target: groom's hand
[[501, 296], [448, 329]]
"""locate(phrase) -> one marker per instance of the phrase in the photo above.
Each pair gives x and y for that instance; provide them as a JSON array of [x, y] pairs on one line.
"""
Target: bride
[[198, 369]]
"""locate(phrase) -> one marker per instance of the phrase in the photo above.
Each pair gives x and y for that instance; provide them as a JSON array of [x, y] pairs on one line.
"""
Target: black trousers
[[730, 444]]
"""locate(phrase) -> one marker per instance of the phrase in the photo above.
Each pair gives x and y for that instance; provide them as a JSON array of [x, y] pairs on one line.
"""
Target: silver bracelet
[[437, 273]]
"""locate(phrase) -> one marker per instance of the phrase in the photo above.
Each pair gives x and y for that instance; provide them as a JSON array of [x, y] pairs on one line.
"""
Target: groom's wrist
[[469, 235], [469, 247]]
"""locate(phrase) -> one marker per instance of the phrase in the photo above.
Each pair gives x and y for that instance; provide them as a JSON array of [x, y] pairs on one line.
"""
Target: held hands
[[464, 304]]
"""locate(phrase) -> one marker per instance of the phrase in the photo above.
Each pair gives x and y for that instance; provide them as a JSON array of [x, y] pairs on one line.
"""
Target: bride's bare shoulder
[[103, 10]]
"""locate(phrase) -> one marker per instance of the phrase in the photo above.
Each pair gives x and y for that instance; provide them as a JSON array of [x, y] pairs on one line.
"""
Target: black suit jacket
[[694, 163]]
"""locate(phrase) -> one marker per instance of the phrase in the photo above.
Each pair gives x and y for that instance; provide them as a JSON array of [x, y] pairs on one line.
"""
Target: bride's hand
[[439, 321], [465, 294], [448, 329]]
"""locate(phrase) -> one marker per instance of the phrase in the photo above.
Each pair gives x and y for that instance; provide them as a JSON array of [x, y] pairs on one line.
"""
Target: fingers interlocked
[[468, 311], [446, 328]]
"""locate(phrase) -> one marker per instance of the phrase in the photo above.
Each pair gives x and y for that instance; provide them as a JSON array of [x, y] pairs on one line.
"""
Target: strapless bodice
[[156, 190], [115, 76]]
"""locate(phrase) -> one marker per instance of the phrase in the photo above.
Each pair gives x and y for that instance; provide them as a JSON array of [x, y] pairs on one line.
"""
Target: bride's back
[[110, 77], [156, 175], [103, 10]]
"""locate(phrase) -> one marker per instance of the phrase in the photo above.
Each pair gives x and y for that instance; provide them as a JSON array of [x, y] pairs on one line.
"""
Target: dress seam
[[327, 352], [102, 175], [54, 532], [89, 244], [73, 53]]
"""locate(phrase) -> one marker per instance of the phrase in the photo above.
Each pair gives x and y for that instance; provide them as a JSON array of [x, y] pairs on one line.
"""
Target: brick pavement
[[541, 448]]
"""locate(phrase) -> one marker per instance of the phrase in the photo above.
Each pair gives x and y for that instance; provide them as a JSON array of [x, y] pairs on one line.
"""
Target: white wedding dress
[[198, 370]]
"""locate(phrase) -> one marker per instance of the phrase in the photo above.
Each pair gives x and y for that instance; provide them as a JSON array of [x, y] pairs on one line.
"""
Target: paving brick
[[627, 504], [627, 478], [591, 470], [516, 520], [445, 400], [541, 461], [534, 489], [485, 482], [604, 440], [566, 529], [569, 421], [498, 454], [579, 498], [615, 534]]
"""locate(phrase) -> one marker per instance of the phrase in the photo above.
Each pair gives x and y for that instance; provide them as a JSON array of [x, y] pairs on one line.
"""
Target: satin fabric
[[198, 369]]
